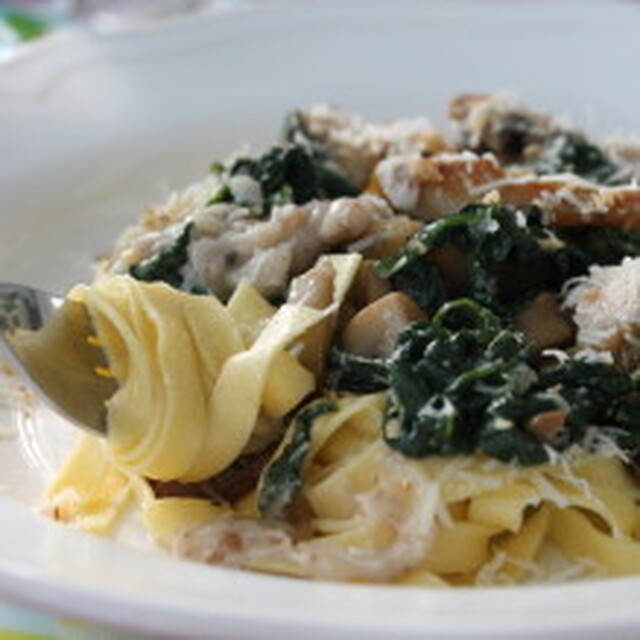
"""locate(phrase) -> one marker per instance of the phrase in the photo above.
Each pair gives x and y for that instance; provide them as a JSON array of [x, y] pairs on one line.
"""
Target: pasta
[[374, 355]]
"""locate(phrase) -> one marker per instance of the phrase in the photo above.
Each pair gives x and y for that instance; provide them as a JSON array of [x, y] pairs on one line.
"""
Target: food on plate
[[375, 353]]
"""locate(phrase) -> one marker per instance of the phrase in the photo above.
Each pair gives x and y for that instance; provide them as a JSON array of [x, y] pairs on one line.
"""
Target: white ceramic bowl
[[93, 127]]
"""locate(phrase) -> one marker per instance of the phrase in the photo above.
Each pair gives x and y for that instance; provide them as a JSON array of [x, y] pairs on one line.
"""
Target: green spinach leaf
[[331, 179], [292, 172], [282, 479], [589, 245], [350, 372], [509, 257], [444, 377], [571, 152], [285, 174], [167, 264], [465, 382], [506, 259]]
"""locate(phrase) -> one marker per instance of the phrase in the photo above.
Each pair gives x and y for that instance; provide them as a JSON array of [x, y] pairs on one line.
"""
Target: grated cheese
[[607, 305]]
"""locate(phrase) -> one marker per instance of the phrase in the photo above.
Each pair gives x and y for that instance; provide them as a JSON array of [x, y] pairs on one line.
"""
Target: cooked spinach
[[422, 281], [509, 257], [167, 264], [282, 479], [589, 245], [297, 171], [465, 382], [596, 392], [508, 136], [526, 139], [292, 172], [503, 434], [285, 174], [506, 262], [223, 194], [444, 378], [571, 152], [350, 372], [331, 179]]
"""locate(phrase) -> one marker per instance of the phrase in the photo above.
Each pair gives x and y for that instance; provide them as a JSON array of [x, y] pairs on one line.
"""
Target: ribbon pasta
[[376, 516], [192, 379], [197, 377], [489, 516]]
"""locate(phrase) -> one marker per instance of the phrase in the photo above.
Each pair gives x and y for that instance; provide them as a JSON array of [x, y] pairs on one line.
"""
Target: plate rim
[[23, 584], [74, 593]]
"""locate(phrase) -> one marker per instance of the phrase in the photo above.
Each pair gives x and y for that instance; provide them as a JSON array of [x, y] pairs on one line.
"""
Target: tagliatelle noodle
[[375, 515], [237, 395], [166, 350], [190, 394], [363, 497], [89, 490], [579, 538]]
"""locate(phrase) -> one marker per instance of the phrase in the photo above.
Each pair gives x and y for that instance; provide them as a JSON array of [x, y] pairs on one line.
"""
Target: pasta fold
[[89, 491], [194, 375]]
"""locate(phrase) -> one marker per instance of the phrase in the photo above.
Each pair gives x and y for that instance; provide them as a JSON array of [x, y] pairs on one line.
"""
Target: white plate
[[93, 127]]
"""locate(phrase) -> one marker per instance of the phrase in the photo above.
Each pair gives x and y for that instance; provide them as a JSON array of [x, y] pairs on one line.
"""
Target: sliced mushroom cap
[[373, 331], [452, 264], [547, 425], [368, 286], [544, 323]]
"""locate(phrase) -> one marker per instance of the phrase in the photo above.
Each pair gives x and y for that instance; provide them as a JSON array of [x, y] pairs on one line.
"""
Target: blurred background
[[23, 22]]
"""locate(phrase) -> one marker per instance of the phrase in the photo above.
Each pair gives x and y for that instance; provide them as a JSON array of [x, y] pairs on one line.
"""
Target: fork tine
[[46, 337], [24, 307]]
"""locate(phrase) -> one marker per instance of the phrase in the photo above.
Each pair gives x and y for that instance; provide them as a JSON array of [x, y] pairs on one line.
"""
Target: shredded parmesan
[[607, 306]]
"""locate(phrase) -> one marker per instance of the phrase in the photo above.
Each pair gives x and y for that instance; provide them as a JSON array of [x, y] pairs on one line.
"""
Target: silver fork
[[45, 337]]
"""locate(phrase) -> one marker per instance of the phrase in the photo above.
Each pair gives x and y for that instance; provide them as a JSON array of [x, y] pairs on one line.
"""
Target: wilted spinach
[[446, 375], [571, 152], [506, 262], [166, 265], [589, 245], [331, 179], [509, 256], [285, 174], [282, 479], [350, 372], [289, 173], [465, 382], [508, 136], [169, 263], [597, 392]]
